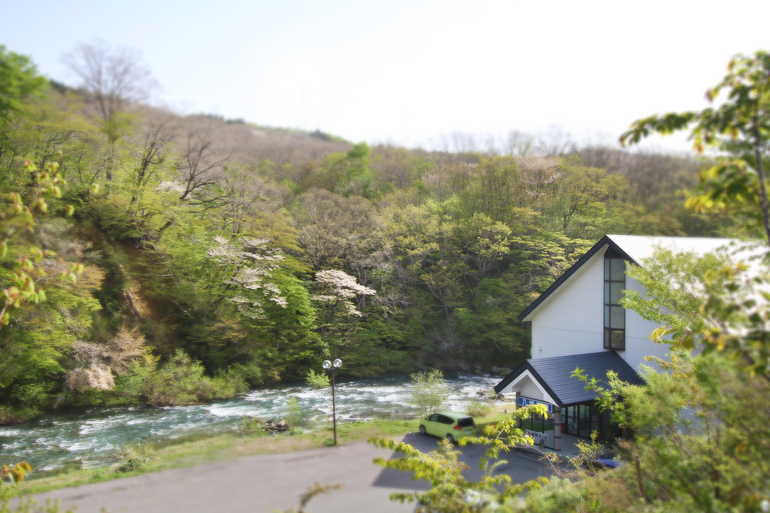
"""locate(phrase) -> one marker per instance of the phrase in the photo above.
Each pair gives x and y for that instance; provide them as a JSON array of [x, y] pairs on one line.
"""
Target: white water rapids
[[93, 437]]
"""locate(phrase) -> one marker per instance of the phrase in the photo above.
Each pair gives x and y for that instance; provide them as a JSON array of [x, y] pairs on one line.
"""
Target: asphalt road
[[268, 482]]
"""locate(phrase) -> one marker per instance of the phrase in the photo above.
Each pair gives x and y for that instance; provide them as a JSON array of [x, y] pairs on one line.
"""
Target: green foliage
[[699, 438], [675, 289], [450, 491], [741, 305], [699, 431], [249, 372], [25, 208], [18, 82], [455, 243], [32, 506], [180, 381], [252, 427], [739, 125], [11, 474], [714, 305], [132, 465], [428, 391], [293, 413], [134, 457], [479, 409], [32, 395], [318, 381]]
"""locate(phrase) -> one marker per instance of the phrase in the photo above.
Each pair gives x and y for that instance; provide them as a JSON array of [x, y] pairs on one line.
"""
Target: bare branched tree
[[114, 76], [202, 163], [150, 149]]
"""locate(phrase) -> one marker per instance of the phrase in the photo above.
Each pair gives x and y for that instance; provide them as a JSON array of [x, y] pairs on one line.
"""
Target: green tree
[[19, 81], [338, 293], [585, 192], [738, 125], [429, 391], [699, 441], [675, 289]]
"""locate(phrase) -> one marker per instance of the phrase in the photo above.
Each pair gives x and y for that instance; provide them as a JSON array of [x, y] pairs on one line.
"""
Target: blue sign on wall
[[523, 401]]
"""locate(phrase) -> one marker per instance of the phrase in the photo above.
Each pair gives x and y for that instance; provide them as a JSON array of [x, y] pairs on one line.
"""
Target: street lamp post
[[333, 368]]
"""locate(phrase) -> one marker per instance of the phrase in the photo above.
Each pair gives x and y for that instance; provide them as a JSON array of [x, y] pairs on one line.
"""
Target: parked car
[[452, 425], [607, 459]]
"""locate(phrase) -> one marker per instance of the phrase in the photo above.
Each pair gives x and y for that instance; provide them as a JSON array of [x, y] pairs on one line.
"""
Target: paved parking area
[[267, 482]]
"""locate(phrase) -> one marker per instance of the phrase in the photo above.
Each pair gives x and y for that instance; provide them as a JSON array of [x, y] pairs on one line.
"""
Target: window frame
[[614, 325]]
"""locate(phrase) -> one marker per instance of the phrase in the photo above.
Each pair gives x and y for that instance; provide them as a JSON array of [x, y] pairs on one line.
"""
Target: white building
[[578, 322]]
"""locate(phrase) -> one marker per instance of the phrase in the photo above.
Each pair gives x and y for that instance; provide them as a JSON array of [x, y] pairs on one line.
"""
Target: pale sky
[[410, 72]]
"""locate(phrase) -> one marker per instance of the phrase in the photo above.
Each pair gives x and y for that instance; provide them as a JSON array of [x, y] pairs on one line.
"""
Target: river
[[93, 437]]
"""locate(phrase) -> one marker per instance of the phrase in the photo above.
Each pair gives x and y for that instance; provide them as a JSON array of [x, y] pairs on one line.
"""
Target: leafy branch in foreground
[[313, 491], [740, 126], [708, 303], [15, 473], [22, 216], [700, 441], [12, 474], [450, 491]]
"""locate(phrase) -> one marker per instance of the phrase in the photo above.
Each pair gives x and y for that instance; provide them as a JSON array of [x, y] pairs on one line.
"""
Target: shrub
[[134, 457], [34, 396], [429, 391], [27, 505], [180, 381], [249, 372], [293, 413], [132, 465], [251, 426], [317, 380], [478, 409]]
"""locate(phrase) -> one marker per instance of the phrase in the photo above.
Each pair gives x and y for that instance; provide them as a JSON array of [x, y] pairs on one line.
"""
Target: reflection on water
[[92, 437]]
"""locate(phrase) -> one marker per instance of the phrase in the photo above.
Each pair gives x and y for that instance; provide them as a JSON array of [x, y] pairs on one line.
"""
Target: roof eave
[[604, 241]]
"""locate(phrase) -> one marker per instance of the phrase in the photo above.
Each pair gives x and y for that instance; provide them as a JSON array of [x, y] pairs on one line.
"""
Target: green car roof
[[453, 414]]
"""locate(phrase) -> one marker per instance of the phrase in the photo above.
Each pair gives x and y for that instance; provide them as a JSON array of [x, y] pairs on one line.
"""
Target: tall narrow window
[[614, 314]]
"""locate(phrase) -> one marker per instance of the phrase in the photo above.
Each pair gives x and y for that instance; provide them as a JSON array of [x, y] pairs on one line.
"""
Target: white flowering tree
[[249, 266], [338, 291]]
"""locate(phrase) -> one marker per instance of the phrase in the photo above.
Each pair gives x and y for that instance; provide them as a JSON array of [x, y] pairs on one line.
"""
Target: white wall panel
[[572, 320]]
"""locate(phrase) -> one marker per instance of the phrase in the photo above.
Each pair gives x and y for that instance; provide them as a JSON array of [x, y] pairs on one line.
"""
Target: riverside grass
[[203, 450]]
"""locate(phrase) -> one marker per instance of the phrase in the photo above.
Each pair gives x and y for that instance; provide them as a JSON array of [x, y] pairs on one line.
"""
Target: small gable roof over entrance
[[633, 248], [554, 375]]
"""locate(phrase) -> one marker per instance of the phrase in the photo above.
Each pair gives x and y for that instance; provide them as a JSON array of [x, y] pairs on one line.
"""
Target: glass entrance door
[[581, 420]]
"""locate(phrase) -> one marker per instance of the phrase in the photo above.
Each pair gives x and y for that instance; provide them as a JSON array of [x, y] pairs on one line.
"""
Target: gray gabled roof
[[554, 374]]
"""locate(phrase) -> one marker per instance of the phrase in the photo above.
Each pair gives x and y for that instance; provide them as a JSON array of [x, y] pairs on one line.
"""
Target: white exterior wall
[[527, 387], [638, 331], [572, 320]]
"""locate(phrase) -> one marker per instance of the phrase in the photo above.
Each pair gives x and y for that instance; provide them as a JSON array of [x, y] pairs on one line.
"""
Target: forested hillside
[[219, 255]]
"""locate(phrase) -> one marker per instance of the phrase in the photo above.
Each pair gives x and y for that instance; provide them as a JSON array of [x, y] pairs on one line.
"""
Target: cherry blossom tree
[[338, 291], [249, 266]]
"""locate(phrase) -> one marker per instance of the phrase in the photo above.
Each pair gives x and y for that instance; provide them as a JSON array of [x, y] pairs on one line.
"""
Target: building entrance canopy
[[549, 379]]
